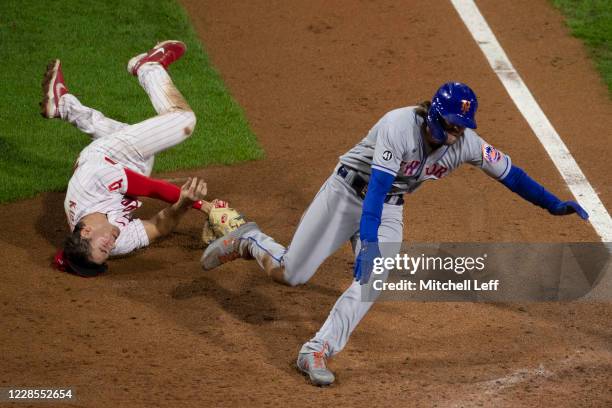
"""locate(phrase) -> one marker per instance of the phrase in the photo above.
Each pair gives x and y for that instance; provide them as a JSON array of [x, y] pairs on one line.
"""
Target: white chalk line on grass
[[537, 120]]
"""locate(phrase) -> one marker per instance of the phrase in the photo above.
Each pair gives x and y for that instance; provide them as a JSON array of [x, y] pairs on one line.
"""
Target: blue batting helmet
[[454, 102]]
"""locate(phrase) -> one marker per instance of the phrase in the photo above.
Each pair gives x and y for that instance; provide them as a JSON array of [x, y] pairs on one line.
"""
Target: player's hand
[[365, 261], [193, 190], [570, 207]]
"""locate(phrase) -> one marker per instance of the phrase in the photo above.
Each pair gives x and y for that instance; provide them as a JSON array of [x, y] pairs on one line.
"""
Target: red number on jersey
[[115, 185]]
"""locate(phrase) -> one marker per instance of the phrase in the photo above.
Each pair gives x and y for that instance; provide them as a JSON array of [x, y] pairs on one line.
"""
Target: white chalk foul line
[[539, 123]]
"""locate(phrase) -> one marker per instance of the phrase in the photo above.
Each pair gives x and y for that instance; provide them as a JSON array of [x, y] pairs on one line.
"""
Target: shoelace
[[319, 359]]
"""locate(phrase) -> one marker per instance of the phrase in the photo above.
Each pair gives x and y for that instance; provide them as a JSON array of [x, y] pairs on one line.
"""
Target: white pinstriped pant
[[135, 146]]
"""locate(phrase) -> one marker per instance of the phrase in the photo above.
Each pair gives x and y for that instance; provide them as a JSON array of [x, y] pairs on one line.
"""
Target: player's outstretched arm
[[167, 219], [519, 182]]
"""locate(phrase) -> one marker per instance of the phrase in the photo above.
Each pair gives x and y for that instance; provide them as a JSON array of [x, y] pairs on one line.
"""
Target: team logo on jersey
[[491, 154], [387, 155], [436, 170], [465, 106], [408, 168]]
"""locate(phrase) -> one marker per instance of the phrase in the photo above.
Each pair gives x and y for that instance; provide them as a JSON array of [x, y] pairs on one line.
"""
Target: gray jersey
[[395, 145]]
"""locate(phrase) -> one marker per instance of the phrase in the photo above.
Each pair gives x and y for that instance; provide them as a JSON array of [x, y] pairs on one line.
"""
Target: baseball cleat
[[226, 248], [53, 89], [164, 53], [314, 365]]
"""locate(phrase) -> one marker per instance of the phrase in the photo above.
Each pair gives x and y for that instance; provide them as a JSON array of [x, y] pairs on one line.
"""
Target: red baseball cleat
[[164, 53], [53, 89]]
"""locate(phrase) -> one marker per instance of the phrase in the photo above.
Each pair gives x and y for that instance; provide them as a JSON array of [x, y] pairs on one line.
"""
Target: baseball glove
[[221, 221]]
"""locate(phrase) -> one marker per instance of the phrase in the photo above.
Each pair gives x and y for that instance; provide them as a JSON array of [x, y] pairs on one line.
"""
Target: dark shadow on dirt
[[278, 313], [51, 223], [251, 306]]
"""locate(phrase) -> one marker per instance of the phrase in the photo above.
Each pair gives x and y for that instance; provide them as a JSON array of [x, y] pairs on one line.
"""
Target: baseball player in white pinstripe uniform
[[113, 169]]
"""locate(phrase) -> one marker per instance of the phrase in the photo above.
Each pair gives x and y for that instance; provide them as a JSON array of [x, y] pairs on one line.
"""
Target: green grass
[[94, 40], [591, 21]]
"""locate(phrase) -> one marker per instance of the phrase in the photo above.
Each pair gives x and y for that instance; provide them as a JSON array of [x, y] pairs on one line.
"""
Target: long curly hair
[[422, 109]]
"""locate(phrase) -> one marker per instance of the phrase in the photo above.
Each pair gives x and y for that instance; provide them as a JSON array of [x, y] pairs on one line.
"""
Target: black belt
[[360, 185]]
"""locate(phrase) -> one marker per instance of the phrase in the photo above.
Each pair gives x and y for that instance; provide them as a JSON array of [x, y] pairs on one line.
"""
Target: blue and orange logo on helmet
[[491, 154], [465, 106]]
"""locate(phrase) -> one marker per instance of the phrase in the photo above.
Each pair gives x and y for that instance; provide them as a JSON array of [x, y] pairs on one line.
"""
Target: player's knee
[[297, 271], [294, 279], [189, 122]]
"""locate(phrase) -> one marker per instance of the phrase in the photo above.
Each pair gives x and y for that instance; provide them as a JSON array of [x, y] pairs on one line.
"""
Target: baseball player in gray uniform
[[362, 202]]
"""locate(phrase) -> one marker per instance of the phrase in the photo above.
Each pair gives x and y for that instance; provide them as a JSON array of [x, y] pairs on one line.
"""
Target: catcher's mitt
[[221, 221]]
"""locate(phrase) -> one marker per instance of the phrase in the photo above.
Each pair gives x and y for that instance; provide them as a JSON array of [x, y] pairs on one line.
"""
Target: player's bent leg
[[229, 247], [246, 242], [333, 335], [164, 96], [330, 221], [266, 251], [59, 103], [136, 144], [344, 317], [356, 301], [175, 121], [88, 120]]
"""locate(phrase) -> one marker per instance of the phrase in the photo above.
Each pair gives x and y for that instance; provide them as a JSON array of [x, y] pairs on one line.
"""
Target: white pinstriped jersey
[[395, 145], [99, 185]]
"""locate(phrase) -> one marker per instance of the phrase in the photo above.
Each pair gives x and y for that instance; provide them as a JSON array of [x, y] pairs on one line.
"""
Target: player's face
[[102, 238], [453, 132]]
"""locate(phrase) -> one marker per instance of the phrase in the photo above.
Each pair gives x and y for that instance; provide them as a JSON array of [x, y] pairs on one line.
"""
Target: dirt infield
[[312, 78]]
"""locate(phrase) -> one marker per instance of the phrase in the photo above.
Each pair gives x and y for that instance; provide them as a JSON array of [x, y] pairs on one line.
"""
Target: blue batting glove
[[365, 261], [569, 207]]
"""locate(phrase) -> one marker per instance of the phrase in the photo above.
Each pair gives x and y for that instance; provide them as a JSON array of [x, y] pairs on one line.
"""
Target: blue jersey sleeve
[[378, 187], [519, 182]]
